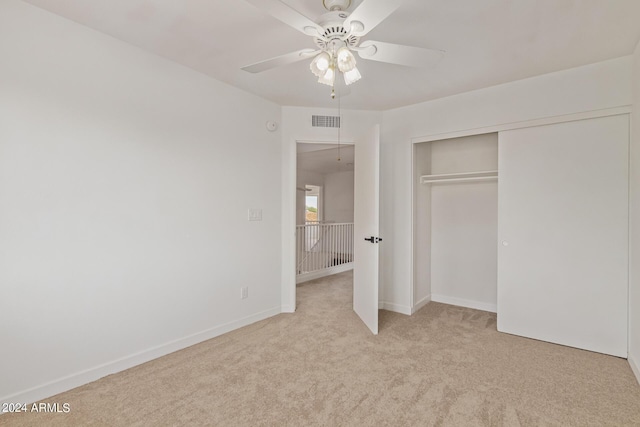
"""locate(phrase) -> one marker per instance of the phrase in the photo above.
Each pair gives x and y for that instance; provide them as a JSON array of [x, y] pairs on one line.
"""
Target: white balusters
[[321, 246]]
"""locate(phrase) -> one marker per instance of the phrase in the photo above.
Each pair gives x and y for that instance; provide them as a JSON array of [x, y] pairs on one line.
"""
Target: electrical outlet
[[255, 214], [244, 292]]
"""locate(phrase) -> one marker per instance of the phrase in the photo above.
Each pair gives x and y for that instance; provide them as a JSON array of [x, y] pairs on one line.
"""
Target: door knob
[[373, 239]]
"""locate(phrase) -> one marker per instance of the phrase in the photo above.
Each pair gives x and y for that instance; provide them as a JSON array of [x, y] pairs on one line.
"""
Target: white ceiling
[[487, 42], [325, 158]]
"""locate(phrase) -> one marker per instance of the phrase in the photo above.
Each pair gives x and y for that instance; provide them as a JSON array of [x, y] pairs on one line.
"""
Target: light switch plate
[[255, 214]]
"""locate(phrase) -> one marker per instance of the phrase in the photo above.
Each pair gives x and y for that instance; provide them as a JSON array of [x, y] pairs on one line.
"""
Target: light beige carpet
[[445, 365]]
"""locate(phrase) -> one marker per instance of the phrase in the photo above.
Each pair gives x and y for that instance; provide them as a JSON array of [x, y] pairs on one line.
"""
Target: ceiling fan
[[337, 34]]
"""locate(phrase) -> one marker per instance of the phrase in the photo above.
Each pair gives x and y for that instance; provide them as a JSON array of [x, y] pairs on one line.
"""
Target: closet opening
[[455, 222]]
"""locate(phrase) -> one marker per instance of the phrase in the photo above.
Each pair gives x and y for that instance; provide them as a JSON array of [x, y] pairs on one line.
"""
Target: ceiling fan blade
[[289, 16], [369, 14], [399, 54], [281, 60]]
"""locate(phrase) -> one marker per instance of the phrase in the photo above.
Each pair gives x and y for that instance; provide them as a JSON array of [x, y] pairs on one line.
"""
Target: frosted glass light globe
[[352, 76], [329, 77], [345, 59], [323, 62], [320, 64]]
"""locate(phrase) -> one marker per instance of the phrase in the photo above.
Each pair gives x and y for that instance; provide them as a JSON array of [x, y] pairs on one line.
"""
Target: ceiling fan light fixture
[[351, 76], [329, 77], [337, 34], [320, 64], [345, 59]]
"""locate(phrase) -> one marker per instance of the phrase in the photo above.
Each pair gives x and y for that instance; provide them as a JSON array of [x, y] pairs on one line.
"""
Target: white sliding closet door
[[563, 233]]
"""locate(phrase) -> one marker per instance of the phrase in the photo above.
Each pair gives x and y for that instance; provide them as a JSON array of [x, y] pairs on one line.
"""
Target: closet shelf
[[459, 177]]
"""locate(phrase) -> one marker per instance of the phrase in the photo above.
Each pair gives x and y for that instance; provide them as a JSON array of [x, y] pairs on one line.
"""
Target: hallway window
[[312, 205]]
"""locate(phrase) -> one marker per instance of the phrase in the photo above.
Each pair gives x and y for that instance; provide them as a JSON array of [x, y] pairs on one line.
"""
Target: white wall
[[592, 87], [634, 225], [464, 259], [125, 181], [338, 197], [296, 126]]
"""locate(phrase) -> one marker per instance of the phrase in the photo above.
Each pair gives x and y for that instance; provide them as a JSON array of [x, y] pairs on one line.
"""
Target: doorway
[[365, 221], [324, 209]]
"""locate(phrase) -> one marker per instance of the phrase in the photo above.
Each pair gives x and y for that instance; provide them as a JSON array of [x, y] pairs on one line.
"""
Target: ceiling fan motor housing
[[332, 5], [332, 22]]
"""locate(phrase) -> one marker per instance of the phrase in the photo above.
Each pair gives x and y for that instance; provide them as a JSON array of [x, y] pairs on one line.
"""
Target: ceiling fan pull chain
[[339, 126]]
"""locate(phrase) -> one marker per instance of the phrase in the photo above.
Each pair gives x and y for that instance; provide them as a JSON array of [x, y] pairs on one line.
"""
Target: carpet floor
[[443, 366]]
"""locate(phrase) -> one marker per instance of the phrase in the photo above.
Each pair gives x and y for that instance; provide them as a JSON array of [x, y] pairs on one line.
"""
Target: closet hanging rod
[[459, 177]]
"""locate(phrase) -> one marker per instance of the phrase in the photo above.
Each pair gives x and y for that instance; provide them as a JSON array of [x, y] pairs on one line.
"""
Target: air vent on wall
[[325, 121]]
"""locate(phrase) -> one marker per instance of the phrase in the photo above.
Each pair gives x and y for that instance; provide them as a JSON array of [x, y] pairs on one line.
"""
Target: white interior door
[[366, 226], [563, 233]]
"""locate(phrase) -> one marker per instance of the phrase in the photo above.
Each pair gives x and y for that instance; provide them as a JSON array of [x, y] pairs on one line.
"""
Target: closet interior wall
[[456, 221]]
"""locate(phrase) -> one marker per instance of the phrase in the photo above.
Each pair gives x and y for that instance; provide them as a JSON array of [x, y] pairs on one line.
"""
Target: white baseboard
[[305, 277], [89, 375], [634, 367], [288, 309], [421, 303], [464, 303], [402, 309]]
